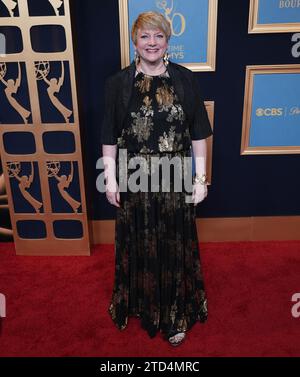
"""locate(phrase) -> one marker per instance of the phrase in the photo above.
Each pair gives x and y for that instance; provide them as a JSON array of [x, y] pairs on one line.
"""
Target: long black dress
[[157, 268]]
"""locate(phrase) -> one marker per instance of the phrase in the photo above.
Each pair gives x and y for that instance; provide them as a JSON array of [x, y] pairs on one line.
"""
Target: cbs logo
[[269, 112]]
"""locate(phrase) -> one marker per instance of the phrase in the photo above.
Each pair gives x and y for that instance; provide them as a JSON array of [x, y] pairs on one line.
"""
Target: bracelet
[[202, 179]]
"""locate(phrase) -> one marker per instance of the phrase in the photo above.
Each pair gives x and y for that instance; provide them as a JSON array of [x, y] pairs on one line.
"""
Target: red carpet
[[57, 306]]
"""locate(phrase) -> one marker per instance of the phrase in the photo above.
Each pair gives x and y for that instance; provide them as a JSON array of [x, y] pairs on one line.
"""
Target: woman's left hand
[[199, 193]]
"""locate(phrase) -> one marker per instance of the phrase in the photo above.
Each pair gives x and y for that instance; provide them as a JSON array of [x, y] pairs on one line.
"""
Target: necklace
[[147, 74]]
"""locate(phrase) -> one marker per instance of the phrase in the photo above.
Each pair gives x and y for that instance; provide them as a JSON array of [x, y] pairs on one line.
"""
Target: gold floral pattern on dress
[[141, 126], [165, 142], [144, 84], [173, 312], [182, 324], [121, 140], [176, 113], [145, 150], [186, 133], [165, 96], [147, 108], [147, 101], [159, 99]]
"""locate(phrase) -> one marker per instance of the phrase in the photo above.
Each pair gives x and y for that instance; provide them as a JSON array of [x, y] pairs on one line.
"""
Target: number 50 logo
[[2, 305], [176, 20]]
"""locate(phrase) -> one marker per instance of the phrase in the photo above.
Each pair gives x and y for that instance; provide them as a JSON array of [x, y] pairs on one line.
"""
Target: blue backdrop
[[280, 92], [282, 11]]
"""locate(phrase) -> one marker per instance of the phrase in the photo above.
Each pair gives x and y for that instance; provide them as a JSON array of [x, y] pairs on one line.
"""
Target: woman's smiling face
[[151, 44]]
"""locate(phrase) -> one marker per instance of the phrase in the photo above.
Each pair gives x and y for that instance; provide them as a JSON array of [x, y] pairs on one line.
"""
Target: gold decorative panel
[[39, 130]]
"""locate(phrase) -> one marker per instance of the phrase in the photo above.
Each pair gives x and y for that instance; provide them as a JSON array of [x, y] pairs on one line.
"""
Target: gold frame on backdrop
[[210, 108], [254, 27], [210, 65], [250, 72], [49, 245]]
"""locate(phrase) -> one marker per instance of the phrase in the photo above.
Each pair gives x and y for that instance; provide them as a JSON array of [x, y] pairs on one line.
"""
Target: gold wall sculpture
[[39, 130]]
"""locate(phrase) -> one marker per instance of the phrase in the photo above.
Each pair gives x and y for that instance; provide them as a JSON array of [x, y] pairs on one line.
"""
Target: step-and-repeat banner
[[39, 129]]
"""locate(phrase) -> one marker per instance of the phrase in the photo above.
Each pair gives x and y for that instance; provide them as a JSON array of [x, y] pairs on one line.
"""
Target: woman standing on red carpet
[[153, 108]]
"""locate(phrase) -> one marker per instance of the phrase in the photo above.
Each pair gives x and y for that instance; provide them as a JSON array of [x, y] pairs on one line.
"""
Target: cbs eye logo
[[269, 112]]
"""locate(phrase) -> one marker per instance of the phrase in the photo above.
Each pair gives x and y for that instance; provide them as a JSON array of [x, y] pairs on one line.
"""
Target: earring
[[136, 57], [166, 58]]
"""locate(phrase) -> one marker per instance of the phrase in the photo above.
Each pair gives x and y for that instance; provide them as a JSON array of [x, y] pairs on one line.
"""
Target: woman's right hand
[[113, 192]]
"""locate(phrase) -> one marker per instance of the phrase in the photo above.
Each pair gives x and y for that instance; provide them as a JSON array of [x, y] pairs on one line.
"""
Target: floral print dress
[[158, 275]]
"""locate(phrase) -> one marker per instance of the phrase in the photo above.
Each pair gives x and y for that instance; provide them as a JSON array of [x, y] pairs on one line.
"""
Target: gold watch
[[202, 179]]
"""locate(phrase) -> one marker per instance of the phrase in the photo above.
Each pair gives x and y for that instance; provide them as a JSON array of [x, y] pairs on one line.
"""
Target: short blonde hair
[[151, 20]]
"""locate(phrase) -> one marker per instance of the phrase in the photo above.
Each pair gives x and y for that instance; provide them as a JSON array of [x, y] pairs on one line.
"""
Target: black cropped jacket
[[118, 89]]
